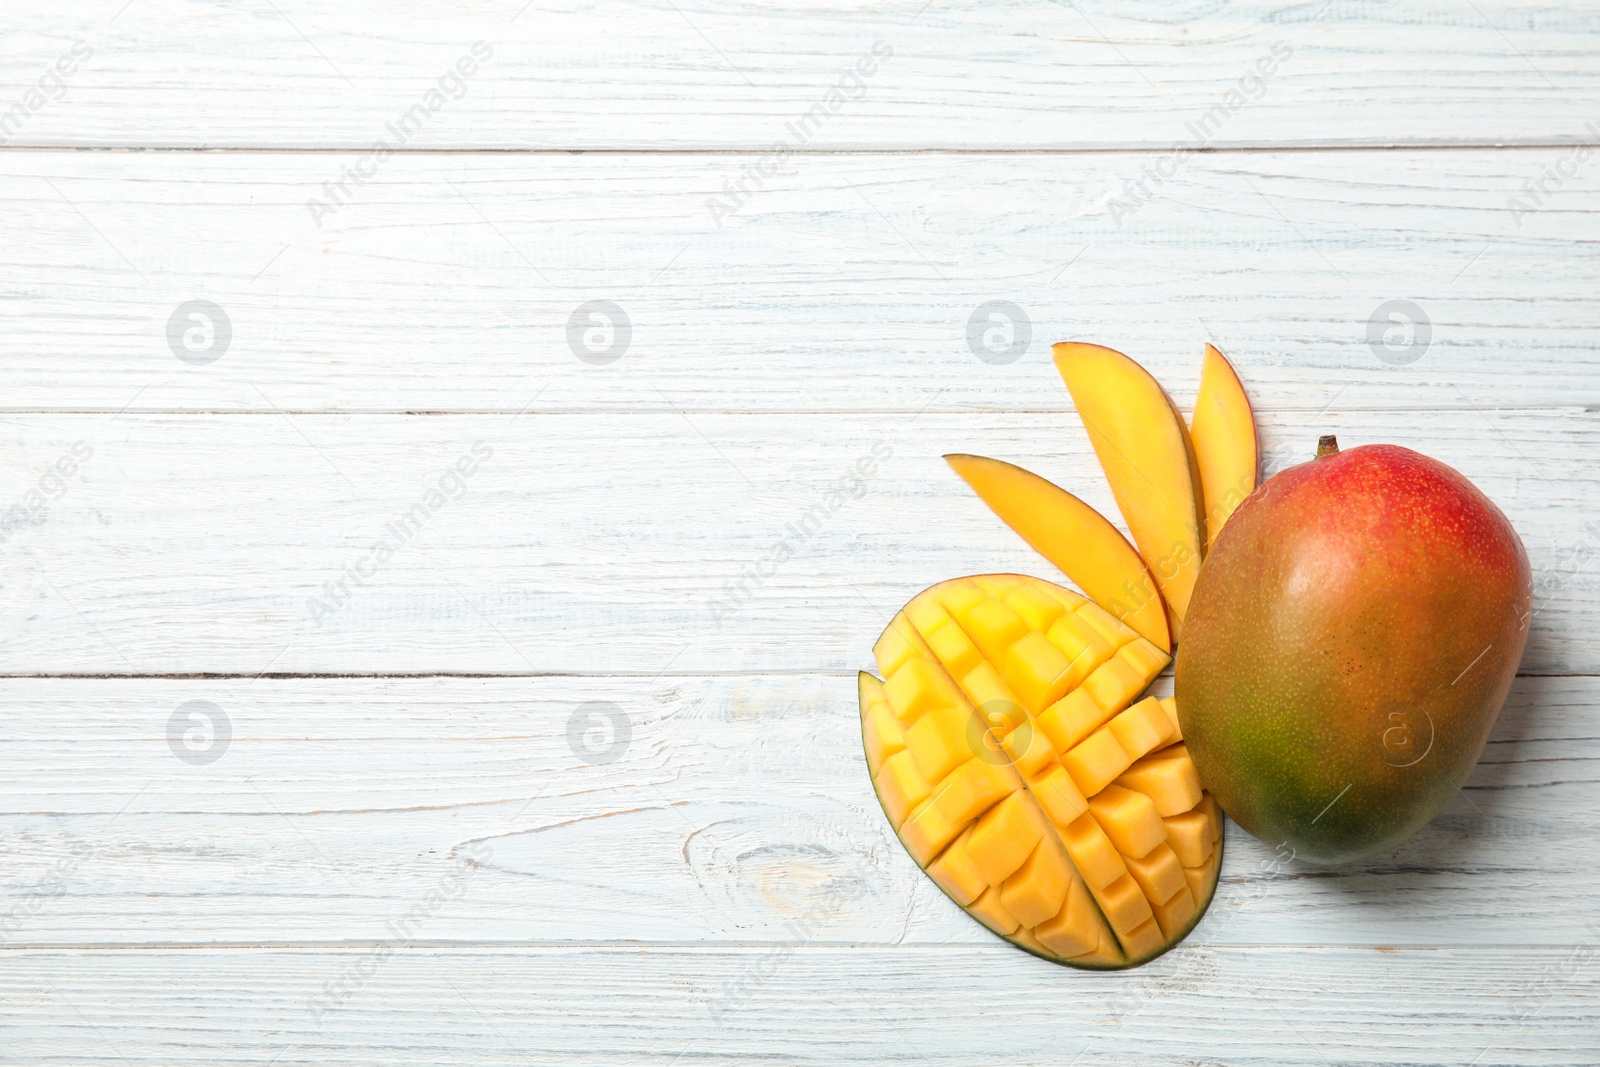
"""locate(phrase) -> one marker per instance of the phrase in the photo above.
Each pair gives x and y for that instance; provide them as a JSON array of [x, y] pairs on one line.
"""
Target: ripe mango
[[1012, 757], [1350, 640]]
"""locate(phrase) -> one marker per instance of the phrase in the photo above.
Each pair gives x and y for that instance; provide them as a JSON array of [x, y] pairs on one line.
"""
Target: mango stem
[[1327, 445]]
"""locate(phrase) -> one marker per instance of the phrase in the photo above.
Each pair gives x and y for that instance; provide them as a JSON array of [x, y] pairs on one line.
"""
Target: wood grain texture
[[448, 282], [570, 772], [709, 811], [717, 74], [614, 543], [948, 1005]]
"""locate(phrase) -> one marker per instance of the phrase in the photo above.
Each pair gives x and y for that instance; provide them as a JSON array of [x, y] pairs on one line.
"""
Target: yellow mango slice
[[1223, 430], [996, 756], [1073, 536], [1144, 448]]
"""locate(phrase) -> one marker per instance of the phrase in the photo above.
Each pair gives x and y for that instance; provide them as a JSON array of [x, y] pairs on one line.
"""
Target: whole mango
[[1352, 636]]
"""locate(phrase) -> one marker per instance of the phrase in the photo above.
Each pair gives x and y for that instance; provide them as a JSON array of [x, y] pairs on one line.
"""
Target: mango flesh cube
[[1038, 610], [1146, 659], [1203, 879], [992, 627], [1124, 904], [1029, 750], [926, 615], [1036, 891], [996, 586], [1171, 782], [1175, 914], [1093, 853], [1159, 873], [1074, 930], [1208, 805], [1143, 939], [1114, 683], [1080, 643], [926, 831], [1059, 797], [1096, 761], [900, 787], [1189, 835], [993, 698], [1106, 625], [1005, 836], [1142, 728], [1038, 672], [895, 646], [1170, 706], [1072, 718], [955, 651], [882, 733], [1129, 819], [955, 873], [942, 740], [988, 910], [973, 788], [1106, 952], [1021, 776], [959, 596], [917, 686]]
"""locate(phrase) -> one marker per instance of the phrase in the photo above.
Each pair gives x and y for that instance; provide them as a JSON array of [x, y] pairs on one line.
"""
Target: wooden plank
[[449, 282], [679, 811], [610, 543], [954, 1006], [698, 74]]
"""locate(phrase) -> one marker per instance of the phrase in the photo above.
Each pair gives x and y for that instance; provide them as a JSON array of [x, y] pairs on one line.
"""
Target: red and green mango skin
[[1352, 636]]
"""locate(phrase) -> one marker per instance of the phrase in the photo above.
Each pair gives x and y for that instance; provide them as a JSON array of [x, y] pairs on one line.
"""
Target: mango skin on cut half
[[1008, 750]]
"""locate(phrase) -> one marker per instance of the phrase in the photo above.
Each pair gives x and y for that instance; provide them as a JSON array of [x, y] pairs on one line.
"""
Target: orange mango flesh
[[1144, 448], [1224, 434], [1011, 758], [1073, 536]]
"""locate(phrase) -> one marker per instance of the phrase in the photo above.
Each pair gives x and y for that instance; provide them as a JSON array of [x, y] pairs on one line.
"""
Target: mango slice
[[1073, 536], [1223, 430], [1029, 782], [1144, 448]]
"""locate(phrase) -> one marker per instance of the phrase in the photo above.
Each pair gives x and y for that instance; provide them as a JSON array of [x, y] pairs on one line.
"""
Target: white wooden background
[[407, 851]]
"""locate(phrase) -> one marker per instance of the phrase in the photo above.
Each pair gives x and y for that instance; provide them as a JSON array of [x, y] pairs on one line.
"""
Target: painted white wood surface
[[404, 811], [719, 811], [447, 283], [717, 74], [647, 1005], [615, 543]]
